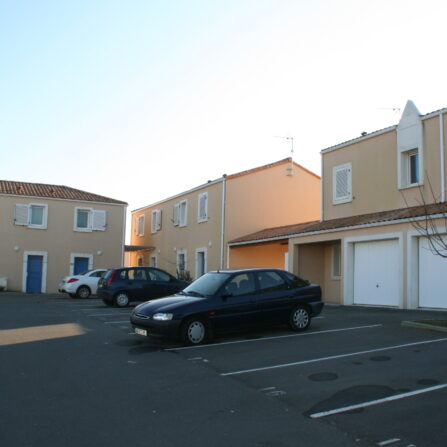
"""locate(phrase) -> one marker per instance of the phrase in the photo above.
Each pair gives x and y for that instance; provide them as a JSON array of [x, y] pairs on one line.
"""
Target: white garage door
[[432, 277], [376, 273]]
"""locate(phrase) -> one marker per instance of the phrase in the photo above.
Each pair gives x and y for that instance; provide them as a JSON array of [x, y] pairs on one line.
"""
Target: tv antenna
[[290, 168]]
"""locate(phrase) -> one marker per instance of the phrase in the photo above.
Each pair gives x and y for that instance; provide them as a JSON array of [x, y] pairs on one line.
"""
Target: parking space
[[356, 368]]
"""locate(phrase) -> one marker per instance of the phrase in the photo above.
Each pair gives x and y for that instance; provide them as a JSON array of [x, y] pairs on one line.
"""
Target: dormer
[[410, 148]]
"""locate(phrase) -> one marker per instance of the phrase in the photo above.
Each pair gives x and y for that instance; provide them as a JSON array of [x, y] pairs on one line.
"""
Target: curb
[[432, 325]]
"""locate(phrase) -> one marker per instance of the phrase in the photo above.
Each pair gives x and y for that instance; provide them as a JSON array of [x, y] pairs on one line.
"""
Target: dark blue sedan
[[229, 300]]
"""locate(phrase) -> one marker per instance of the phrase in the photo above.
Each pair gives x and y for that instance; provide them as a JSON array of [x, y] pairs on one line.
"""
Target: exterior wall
[[375, 173], [269, 198], [58, 240], [253, 200], [310, 260], [170, 239], [263, 255]]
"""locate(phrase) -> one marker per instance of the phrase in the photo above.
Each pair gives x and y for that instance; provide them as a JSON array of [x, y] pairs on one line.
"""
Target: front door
[[80, 265], [34, 274]]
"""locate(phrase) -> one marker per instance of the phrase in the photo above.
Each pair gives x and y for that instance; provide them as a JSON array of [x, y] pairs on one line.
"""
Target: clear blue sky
[[140, 100]]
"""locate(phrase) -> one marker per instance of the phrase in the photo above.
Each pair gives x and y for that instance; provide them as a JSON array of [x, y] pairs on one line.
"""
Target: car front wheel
[[299, 319], [83, 292], [122, 299], [194, 331]]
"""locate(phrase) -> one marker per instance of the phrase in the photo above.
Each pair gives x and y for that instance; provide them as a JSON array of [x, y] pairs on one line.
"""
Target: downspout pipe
[[222, 231], [442, 154]]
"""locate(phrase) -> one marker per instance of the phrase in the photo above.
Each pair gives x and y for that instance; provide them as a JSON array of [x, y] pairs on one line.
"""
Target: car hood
[[168, 304]]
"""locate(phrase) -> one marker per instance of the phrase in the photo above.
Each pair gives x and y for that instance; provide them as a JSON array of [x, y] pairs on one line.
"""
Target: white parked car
[[82, 285]]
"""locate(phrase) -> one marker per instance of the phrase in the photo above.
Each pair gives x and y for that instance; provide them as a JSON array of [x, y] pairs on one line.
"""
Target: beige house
[[189, 232], [49, 231], [376, 190]]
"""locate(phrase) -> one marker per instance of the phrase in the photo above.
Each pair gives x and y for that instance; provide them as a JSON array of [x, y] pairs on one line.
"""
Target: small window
[[140, 225], [241, 285], [342, 184], [88, 219], [82, 219], [153, 262], [183, 213], [181, 262], [156, 221], [176, 215], [140, 261], [336, 261], [202, 207], [31, 215], [413, 166], [271, 282]]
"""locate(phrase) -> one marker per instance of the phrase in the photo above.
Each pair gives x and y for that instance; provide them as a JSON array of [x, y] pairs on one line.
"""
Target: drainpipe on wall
[[442, 154], [123, 253], [222, 235]]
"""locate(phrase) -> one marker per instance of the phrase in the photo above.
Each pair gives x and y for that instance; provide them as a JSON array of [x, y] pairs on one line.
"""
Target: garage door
[[432, 277], [376, 273]]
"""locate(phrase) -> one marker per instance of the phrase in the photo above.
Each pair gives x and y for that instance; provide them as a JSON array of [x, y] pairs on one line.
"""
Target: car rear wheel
[[194, 331], [83, 292], [299, 319], [122, 299]]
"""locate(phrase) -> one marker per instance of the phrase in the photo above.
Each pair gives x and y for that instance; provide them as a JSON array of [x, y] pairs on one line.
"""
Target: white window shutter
[[342, 184], [158, 220], [99, 220], [203, 207], [21, 214], [176, 214]]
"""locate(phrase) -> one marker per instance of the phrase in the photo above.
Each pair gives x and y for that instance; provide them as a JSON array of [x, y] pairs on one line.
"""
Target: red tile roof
[[51, 191], [288, 231]]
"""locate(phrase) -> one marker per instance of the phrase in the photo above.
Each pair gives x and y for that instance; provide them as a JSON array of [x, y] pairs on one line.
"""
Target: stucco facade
[[377, 189], [56, 241], [236, 205]]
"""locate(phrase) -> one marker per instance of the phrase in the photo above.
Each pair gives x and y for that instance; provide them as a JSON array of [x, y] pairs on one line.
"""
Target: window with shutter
[[140, 225], [155, 221], [33, 215], [183, 213], [175, 214], [203, 207], [342, 183]]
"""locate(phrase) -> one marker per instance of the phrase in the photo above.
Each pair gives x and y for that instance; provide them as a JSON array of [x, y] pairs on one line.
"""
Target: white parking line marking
[[377, 402], [332, 357], [388, 442], [274, 338]]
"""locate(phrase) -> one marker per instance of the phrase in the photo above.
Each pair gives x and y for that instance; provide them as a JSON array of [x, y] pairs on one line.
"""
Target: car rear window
[[296, 282]]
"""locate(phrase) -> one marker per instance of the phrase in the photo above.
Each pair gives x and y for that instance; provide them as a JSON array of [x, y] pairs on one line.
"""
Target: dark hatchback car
[[120, 286], [230, 300]]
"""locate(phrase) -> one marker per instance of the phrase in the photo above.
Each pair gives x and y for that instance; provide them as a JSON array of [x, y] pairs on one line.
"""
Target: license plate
[[140, 331]]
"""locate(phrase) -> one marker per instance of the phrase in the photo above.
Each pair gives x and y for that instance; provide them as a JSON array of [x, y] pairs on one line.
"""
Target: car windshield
[[207, 284]]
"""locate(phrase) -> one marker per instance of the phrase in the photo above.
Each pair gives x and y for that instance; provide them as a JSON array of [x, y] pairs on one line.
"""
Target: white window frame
[[347, 197], [203, 250], [405, 167], [183, 216], [185, 253], [90, 220], [29, 207], [139, 225], [202, 196], [155, 261], [88, 229], [44, 254], [80, 255], [156, 217]]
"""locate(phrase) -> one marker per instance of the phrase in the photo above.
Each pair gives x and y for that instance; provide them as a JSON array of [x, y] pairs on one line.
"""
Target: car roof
[[247, 270]]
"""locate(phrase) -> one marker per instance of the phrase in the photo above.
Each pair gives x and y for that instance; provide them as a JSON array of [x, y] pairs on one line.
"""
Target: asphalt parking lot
[[356, 377]]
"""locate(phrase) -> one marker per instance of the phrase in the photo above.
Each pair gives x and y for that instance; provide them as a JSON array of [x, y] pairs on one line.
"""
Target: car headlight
[[161, 316]]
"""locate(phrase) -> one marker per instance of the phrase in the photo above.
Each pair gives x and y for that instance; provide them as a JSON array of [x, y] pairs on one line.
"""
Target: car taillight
[[73, 280], [111, 277]]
